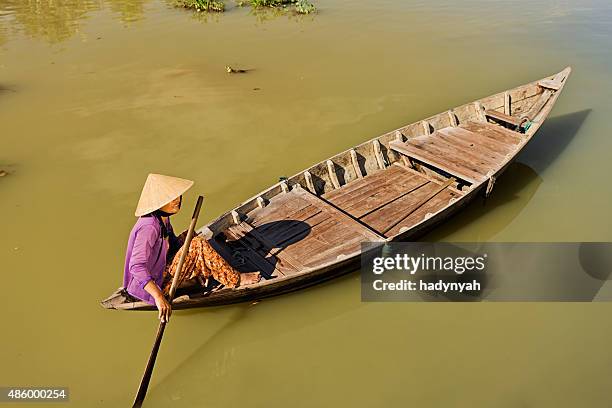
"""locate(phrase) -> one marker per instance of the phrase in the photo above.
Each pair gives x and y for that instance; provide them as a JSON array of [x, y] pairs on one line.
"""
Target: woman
[[152, 244]]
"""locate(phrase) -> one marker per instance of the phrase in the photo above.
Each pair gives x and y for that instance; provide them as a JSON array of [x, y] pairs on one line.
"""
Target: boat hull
[[323, 191]]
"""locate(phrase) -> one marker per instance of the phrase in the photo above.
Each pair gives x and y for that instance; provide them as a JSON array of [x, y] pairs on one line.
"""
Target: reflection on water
[[248, 333], [553, 138], [6, 89], [56, 21], [128, 10], [263, 15], [53, 21], [3, 29]]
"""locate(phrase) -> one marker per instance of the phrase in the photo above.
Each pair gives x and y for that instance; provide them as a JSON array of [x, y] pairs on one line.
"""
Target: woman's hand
[[164, 308]]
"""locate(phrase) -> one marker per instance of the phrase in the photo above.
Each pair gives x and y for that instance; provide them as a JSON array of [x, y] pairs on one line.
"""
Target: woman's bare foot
[[249, 278]]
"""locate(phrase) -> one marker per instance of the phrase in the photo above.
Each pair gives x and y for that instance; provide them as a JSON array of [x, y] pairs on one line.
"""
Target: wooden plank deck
[[365, 195], [494, 132], [502, 117], [472, 151], [443, 159], [385, 197], [244, 258], [491, 147], [295, 231], [298, 230]]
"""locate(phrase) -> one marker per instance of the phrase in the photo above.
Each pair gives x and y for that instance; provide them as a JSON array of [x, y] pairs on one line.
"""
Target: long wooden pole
[[146, 378]]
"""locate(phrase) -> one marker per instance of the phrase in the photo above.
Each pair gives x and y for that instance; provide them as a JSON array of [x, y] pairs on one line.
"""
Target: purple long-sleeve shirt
[[145, 257]]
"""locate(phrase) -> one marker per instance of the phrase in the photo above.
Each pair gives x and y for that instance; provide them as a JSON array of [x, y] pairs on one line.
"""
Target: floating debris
[[6, 89], [3, 173], [231, 70]]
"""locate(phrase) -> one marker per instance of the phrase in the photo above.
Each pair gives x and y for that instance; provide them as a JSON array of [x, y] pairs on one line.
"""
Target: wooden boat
[[309, 228]]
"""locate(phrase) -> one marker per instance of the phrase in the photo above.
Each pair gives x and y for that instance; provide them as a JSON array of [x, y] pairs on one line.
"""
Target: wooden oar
[[420, 204], [144, 383]]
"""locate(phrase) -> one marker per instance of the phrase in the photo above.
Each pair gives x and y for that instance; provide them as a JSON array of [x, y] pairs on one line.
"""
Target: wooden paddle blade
[[146, 378]]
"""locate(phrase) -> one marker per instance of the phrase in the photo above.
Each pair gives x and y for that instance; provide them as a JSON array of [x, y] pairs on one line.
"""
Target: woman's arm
[[163, 306], [144, 241], [141, 253]]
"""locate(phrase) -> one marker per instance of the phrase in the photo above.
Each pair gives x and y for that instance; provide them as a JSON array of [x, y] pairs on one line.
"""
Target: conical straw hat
[[158, 191]]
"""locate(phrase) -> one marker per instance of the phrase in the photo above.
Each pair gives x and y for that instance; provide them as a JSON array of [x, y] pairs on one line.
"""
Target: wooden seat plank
[[493, 131], [502, 117], [447, 156], [493, 148], [448, 148], [451, 165]]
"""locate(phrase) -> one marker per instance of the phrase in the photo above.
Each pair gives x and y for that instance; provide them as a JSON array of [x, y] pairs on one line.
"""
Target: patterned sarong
[[201, 261]]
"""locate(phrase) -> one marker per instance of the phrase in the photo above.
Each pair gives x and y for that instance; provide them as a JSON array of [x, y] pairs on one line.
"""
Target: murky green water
[[96, 94]]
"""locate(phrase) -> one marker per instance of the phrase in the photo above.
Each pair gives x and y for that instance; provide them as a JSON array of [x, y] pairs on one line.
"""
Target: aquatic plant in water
[[304, 7], [301, 6], [202, 5], [270, 3]]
